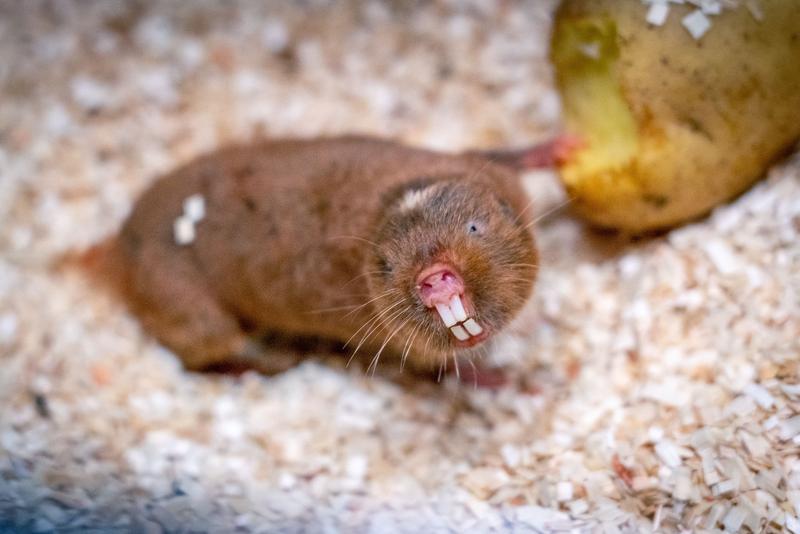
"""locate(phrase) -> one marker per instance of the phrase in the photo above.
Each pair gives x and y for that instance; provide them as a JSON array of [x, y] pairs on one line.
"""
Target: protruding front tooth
[[446, 315], [460, 333], [458, 308], [473, 327]]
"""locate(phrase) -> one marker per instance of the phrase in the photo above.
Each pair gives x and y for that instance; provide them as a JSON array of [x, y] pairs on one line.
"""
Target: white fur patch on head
[[415, 198]]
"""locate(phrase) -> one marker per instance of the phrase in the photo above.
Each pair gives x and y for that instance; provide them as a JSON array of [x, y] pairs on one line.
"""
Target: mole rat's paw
[[441, 288]]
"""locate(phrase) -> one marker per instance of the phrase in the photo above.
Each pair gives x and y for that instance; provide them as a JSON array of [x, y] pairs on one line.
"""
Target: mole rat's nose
[[438, 284]]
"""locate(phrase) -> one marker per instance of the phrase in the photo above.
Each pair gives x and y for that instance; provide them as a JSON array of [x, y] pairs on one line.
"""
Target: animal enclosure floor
[[654, 384]]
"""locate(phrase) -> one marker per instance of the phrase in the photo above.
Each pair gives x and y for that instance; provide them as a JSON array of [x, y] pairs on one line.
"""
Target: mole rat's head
[[455, 259]]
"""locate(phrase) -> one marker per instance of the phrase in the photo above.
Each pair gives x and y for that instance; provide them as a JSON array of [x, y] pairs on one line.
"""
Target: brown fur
[[296, 235]]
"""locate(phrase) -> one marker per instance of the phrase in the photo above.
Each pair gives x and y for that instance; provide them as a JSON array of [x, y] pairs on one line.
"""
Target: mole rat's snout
[[441, 287], [438, 284]]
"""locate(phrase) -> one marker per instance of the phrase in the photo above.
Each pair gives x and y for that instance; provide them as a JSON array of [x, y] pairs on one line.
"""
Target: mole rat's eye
[[475, 228]]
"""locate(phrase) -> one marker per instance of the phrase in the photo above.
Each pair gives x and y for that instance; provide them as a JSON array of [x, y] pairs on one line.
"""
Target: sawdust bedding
[[654, 385]]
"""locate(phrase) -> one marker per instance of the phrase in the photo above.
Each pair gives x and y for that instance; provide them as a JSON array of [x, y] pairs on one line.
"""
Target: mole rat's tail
[[103, 264]]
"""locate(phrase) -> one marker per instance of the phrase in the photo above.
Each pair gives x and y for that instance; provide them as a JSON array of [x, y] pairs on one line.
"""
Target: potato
[[674, 125]]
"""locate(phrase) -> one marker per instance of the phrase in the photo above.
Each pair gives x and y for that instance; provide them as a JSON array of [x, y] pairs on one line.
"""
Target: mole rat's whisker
[[361, 275], [424, 350], [407, 346], [375, 321], [474, 374], [386, 341], [521, 213], [357, 238], [431, 333], [548, 212], [372, 319], [455, 363], [335, 308], [380, 322], [388, 293], [370, 301]]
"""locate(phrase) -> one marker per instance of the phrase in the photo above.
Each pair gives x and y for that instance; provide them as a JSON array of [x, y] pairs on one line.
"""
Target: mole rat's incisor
[[393, 250]]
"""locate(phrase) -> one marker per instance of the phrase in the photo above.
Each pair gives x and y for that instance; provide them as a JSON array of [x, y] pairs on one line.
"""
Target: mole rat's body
[[405, 250]]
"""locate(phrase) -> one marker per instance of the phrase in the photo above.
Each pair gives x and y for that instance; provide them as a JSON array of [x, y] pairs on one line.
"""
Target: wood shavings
[[194, 207], [668, 453], [716, 513], [721, 255], [754, 6], [90, 93], [183, 230], [789, 428], [711, 7], [793, 524], [357, 467], [590, 50], [655, 434], [194, 211], [699, 21], [725, 487], [770, 481], [683, 485], [275, 36], [734, 519], [9, 325], [564, 491], [755, 445], [511, 455], [760, 395], [741, 406], [696, 23], [483, 481], [657, 13], [710, 474], [771, 422]]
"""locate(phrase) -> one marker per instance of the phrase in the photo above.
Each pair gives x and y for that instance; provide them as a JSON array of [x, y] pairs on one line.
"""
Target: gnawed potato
[[674, 125]]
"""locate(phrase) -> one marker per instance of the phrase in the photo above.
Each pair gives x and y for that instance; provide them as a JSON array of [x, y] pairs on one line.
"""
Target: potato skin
[[709, 115]]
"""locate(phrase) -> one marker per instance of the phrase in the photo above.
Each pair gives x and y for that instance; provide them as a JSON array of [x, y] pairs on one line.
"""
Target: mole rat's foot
[[441, 288]]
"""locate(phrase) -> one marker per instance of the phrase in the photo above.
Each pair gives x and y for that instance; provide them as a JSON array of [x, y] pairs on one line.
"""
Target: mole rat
[[397, 251]]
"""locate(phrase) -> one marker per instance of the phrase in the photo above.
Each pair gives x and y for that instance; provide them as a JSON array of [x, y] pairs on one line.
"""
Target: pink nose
[[438, 284]]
